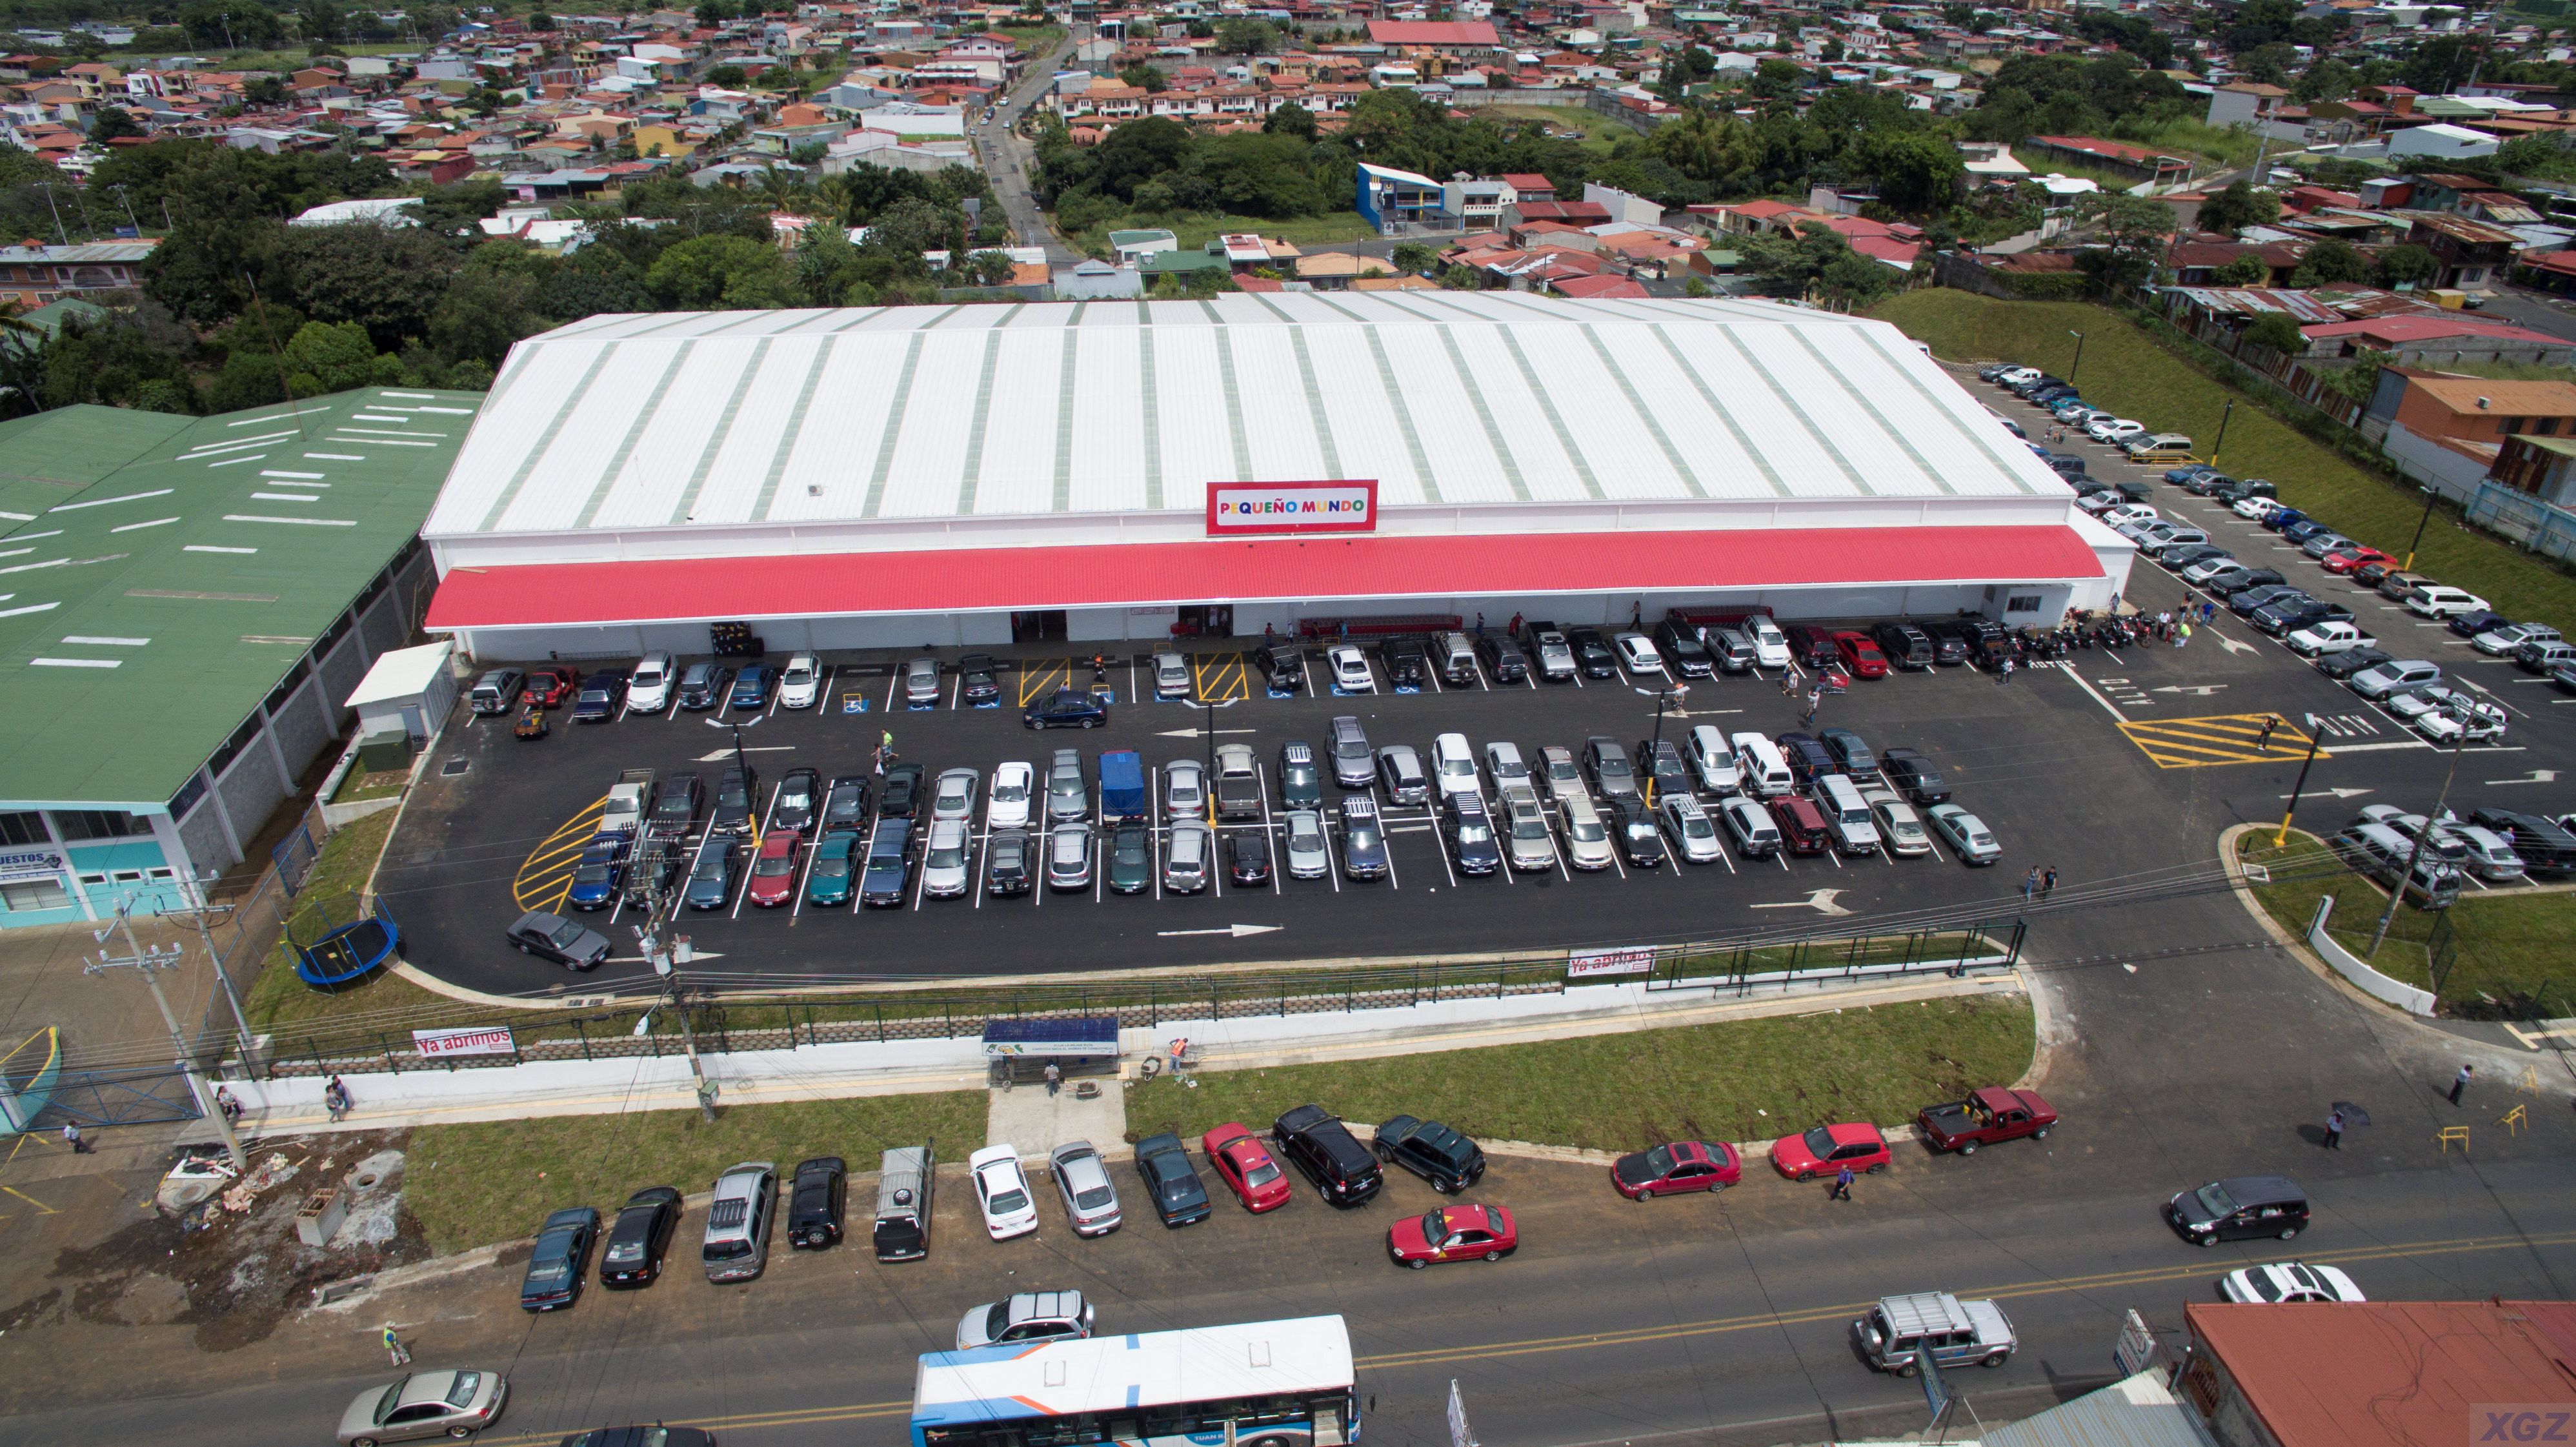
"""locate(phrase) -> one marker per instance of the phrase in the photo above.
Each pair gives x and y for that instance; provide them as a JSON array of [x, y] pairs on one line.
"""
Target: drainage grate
[[454, 767]]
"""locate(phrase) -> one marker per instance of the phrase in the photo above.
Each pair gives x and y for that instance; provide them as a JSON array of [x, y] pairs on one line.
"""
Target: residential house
[[2447, 432], [2471, 253], [1388, 198], [2439, 141], [2437, 337], [32, 276], [2541, 467]]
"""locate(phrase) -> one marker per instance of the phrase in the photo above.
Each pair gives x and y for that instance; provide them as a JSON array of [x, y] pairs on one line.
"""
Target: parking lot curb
[[2296, 947]]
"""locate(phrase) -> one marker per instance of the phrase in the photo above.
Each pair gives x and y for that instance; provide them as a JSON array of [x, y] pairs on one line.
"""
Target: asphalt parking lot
[[2116, 767]]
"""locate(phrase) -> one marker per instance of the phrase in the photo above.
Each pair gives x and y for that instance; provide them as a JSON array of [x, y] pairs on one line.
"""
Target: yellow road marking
[[30, 1200], [544, 879], [1446, 1355], [2232, 738], [1042, 677], [1220, 677]]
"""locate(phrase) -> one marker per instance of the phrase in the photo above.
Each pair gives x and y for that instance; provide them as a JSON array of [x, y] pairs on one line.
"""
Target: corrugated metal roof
[[727, 418], [2134, 1412], [1233, 571]]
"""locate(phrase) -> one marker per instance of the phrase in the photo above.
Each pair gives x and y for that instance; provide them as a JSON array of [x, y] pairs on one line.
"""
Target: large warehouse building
[[1116, 470]]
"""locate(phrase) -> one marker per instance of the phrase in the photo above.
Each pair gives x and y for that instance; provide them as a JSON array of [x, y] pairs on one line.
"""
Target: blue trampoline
[[330, 955]]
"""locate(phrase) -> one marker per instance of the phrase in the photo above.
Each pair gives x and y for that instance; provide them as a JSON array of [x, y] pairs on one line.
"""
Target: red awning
[[1219, 571]]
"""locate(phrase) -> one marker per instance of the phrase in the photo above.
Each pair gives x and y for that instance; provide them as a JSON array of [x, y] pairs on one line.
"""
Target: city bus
[[1262, 1384]]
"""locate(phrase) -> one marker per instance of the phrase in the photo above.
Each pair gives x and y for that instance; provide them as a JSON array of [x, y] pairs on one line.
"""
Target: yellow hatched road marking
[[544, 879], [1041, 677], [1220, 677], [2230, 738]]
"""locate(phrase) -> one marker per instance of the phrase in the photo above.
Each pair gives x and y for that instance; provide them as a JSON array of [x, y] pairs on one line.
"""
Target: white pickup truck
[[2319, 639]]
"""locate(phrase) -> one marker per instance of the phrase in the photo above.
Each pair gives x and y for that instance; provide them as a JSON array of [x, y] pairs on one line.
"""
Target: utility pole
[[2316, 735], [2415, 856], [664, 956], [198, 915], [150, 963], [1663, 698]]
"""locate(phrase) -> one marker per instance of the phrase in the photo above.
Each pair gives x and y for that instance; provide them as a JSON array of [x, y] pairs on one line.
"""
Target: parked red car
[[552, 687], [1672, 1170], [1245, 1163], [773, 872], [1453, 1233], [2345, 560], [1802, 824], [1860, 654], [1825, 1150]]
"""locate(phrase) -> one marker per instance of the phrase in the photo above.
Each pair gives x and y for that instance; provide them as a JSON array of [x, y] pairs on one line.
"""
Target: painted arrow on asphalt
[[2202, 689], [2338, 793], [720, 755], [2230, 644], [2537, 776], [1200, 734], [1822, 902], [1238, 931]]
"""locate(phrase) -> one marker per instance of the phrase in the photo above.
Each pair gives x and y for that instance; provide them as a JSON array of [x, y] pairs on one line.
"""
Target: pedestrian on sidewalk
[[335, 1098], [2003, 674], [394, 1347], [2459, 1083], [1842, 1185], [2263, 740], [1637, 615], [2030, 884], [72, 1135], [1480, 624], [2208, 611], [1815, 700], [1180, 1049], [2334, 1131], [230, 1107], [2182, 634], [1054, 1078], [2048, 882]]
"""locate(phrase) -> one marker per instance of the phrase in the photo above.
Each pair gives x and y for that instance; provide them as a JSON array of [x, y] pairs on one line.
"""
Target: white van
[[649, 691], [1713, 764], [1854, 831], [1760, 769]]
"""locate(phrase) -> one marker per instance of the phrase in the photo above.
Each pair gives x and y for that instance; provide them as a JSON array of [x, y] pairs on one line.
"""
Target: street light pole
[[2316, 735], [2223, 419], [2079, 356], [2415, 856], [1207, 781], [740, 761], [2430, 496], [1663, 698]]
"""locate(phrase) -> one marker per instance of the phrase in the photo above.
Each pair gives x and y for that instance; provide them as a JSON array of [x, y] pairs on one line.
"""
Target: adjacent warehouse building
[[1114, 470], [185, 605]]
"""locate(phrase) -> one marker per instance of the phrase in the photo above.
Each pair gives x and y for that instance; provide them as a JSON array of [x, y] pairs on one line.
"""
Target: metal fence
[[725, 1024], [119, 1097], [293, 857], [2539, 526]]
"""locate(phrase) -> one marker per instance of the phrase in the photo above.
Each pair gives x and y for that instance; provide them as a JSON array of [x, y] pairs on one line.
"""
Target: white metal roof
[[1098, 1374], [403, 673], [711, 419]]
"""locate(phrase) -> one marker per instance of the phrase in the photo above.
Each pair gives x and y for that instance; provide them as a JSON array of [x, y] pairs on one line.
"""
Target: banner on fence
[[1589, 964], [471, 1040]]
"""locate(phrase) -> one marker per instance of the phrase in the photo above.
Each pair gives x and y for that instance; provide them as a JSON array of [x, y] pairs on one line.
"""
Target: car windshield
[[1473, 831], [548, 1272], [596, 872], [1435, 1228], [1820, 1142], [1696, 826], [462, 1390], [1561, 771], [732, 795], [947, 856], [1458, 767], [1010, 791], [1298, 776], [1005, 1202], [997, 1320], [1362, 837], [1588, 831], [773, 865], [795, 796], [2214, 1200], [563, 935], [831, 865], [1261, 1173], [622, 1251], [1612, 766], [1659, 1163], [1131, 846]]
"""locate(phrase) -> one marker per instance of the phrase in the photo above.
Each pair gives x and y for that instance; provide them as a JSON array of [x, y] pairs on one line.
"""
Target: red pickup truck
[[1992, 1114]]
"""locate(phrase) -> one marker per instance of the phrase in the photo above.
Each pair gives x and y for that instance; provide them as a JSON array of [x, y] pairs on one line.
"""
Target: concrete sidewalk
[[834, 1072]]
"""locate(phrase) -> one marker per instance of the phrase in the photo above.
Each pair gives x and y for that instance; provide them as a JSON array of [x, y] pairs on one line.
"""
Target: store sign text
[[1236, 508]]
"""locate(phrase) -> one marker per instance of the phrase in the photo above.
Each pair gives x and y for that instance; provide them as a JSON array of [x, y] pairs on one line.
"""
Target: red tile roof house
[[2434, 341], [2137, 163]]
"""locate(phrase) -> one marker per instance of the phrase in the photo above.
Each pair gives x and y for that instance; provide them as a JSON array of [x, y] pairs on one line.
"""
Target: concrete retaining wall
[[2347, 964]]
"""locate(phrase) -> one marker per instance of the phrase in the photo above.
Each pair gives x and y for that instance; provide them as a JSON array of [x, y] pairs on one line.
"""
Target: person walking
[[1054, 1078], [2182, 634], [2459, 1083], [394, 1347], [1815, 700], [1842, 1185], [2003, 674], [230, 1107], [1514, 627], [2048, 882], [2208, 611], [1637, 615], [2334, 1131], [1180, 1051], [335, 1098], [72, 1138], [2030, 884], [2263, 740], [1480, 624]]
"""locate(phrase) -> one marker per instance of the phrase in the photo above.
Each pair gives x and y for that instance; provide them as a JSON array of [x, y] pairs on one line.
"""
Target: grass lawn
[[1622, 1092], [2508, 945], [278, 1000], [2126, 371], [2222, 144], [360, 785], [1034, 39], [1198, 228], [2042, 165], [475, 1184], [1600, 133]]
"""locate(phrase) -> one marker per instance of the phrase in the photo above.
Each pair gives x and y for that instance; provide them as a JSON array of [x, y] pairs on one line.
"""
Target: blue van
[[1122, 787]]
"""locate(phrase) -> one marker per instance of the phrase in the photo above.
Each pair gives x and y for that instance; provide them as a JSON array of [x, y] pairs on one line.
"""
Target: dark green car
[[835, 868], [1131, 860]]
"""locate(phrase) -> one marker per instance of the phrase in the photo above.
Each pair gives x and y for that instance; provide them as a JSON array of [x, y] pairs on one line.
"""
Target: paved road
[[1005, 158], [2524, 308]]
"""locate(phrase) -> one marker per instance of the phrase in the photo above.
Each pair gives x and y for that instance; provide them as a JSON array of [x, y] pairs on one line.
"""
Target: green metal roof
[[160, 574]]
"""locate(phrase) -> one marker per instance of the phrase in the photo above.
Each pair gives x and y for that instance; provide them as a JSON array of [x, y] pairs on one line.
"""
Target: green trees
[[2406, 265], [387, 279], [2246, 270], [2277, 330], [2237, 207], [709, 272], [2331, 260]]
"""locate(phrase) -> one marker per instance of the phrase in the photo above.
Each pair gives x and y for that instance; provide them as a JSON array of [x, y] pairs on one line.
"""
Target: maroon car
[[1802, 824], [1672, 1170], [773, 873], [1986, 1116]]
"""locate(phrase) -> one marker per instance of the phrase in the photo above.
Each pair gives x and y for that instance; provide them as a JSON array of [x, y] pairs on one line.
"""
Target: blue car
[[2470, 625], [1066, 708], [2286, 517], [561, 1258], [711, 878], [599, 697], [751, 687], [831, 879], [594, 879]]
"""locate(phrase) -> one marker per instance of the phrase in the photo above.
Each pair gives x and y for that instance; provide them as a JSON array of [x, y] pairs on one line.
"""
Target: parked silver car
[[1184, 789], [1090, 1202], [1587, 839], [1694, 837], [954, 798], [1185, 857], [944, 864], [1068, 792], [1899, 827], [1309, 856], [425, 1404], [1069, 857], [921, 681], [1171, 676], [738, 1222], [1525, 831]]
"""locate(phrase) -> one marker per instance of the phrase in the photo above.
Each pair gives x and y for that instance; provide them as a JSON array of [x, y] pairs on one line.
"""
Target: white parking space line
[[983, 848], [1277, 844], [1132, 695], [892, 684], [796, 906], [957, 689]]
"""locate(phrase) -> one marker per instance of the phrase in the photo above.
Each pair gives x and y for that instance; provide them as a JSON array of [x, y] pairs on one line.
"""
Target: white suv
[[801, 682], [1453, 765], [649, 691]]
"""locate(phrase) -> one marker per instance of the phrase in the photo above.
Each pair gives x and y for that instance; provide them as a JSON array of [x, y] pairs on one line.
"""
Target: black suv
[[1905, 645], [815, 1203], [1405, 665], [1506, 663], [1683, 652], [1331, 1157], [1448, 1160], [1592, 653], [1283, 666]]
